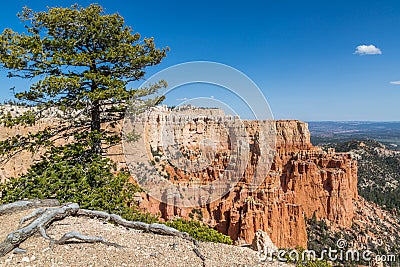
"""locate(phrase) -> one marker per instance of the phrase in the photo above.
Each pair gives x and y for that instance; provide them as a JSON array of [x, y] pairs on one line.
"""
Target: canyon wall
[[303, 180]]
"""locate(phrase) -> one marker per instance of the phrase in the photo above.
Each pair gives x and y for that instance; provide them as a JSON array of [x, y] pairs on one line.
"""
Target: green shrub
[[66, 174], [199, 231]]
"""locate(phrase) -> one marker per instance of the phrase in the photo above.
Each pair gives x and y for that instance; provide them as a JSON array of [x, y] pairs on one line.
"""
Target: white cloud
[[395, 82], [367, 50], [182, 99]]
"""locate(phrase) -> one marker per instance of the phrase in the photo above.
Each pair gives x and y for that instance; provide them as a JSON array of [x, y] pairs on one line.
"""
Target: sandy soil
[[140, 249]]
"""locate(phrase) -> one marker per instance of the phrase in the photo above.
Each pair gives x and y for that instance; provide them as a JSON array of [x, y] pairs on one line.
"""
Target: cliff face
[[303, 180]]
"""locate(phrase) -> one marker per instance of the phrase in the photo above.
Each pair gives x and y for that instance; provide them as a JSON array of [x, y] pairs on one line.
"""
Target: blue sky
[[300, 53]]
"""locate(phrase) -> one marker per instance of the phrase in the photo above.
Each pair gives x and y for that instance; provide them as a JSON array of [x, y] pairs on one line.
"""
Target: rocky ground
[[140, 249]]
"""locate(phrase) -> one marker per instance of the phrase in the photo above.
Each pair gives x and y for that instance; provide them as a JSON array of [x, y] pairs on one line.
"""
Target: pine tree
[[82, 62]]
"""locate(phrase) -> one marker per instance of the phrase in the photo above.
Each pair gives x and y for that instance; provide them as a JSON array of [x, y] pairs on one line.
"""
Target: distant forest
[[388, 133]]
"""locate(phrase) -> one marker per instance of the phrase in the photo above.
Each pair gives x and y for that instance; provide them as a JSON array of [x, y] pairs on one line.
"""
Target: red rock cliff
[[303, 180]]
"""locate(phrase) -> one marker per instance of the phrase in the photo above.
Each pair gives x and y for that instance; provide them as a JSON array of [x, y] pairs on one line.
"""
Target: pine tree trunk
[[95, 118], [95, 127]]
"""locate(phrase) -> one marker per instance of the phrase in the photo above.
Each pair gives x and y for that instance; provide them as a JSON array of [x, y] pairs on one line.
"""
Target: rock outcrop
[[303, 180], [262, 242]]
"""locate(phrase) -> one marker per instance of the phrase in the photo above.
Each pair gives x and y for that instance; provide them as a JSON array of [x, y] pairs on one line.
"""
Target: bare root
[[41, 218]]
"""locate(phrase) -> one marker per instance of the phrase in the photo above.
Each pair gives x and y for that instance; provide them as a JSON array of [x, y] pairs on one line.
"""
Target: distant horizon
[[277, 119], [365, 121]]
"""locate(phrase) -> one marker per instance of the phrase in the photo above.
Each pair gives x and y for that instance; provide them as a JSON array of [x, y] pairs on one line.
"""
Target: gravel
[[140, 249]]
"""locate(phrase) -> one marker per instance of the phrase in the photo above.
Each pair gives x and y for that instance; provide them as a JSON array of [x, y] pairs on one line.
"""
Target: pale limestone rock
[[262, 242]]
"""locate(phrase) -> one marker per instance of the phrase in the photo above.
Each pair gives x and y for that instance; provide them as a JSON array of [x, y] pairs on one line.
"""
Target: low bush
[[199, 231]]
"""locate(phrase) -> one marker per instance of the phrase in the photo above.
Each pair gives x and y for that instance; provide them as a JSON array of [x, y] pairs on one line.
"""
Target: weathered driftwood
[[155, 228], [88, 239], [27, 204], [42, 218]]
